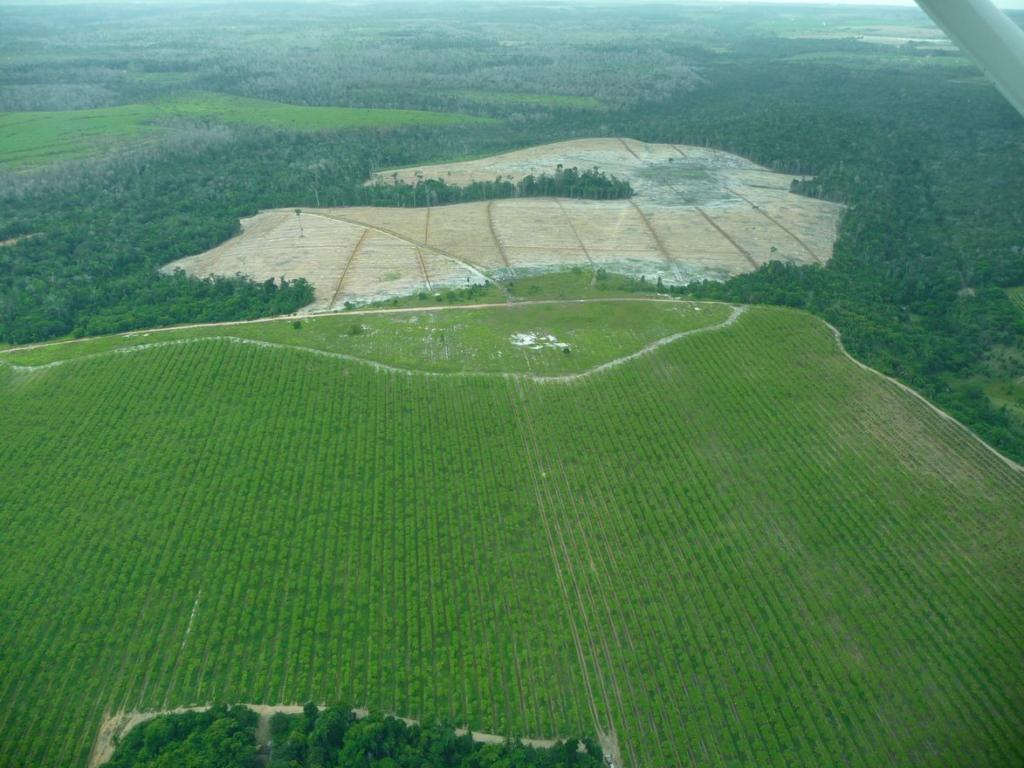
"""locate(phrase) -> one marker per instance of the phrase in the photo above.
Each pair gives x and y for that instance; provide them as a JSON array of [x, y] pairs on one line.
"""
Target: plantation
[[33, 138], [737, 549]]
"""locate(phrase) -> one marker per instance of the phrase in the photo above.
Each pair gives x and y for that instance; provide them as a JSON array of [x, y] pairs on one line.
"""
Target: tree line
[[591, 184]]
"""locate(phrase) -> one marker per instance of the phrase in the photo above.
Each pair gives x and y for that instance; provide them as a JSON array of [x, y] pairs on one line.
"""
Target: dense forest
[[925, 154], [220, 736]]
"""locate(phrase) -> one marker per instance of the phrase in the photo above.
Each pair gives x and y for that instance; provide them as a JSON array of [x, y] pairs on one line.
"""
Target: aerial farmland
[[507, 384], [450, 551]]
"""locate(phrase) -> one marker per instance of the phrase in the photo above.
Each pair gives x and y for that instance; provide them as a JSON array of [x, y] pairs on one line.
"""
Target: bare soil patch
[[13, 240], [697, 213]]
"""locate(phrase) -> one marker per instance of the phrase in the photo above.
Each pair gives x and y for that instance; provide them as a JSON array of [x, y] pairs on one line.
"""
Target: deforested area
[[692, 214]]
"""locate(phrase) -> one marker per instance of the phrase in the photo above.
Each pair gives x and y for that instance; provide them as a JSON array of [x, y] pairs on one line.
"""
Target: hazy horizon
[[1004, 4]]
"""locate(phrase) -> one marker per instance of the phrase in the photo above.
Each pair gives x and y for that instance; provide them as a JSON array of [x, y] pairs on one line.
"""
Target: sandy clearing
[[697, 213], [774, 221], [119, 723], [13, 240]]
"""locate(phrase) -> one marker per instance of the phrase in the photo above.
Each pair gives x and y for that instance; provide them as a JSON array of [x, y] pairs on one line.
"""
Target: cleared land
[[35, 138], [697, 213], [750, 551]]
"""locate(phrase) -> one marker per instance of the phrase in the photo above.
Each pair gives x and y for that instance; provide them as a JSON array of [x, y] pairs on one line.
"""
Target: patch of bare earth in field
[[14, 240], [696, 213]]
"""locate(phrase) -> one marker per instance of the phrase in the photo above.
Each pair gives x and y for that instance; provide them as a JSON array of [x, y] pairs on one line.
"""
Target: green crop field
[[739, 548], [34, 138]]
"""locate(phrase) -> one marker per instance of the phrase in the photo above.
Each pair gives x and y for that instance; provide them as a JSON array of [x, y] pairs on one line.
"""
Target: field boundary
[[949, 417], [657, 240], [119, 723], [476, 269], [740, 249]]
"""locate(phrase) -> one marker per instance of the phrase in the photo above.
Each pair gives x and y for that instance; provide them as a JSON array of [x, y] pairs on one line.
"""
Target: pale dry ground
[[120, 723], [697, 213], [13, 240]]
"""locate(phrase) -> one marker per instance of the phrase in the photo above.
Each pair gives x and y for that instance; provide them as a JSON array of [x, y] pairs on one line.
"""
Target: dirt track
[[934, 408]]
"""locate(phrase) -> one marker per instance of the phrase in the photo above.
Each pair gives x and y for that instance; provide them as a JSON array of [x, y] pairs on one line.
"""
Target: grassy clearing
[[669, 174], [741, 547], [471, 340], [1006, 393], [34, 138]]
